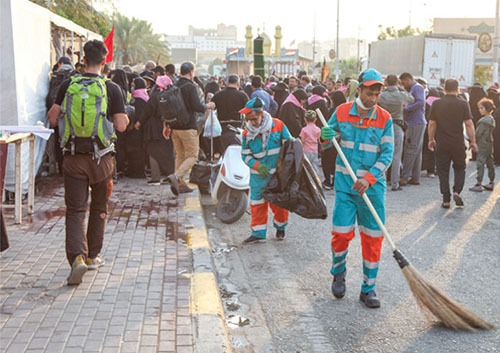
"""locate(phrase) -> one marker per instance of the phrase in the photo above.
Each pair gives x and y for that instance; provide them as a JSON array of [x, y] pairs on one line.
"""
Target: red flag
[[325, 70], [108, 42]]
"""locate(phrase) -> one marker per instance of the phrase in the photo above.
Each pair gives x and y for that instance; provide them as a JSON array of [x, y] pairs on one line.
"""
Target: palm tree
[[135, 42]]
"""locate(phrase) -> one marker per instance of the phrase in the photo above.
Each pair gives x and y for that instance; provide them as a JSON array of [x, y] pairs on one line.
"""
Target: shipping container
[[431, 56]]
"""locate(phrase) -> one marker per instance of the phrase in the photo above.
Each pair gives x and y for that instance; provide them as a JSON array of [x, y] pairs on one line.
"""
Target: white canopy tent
[[31, 40]]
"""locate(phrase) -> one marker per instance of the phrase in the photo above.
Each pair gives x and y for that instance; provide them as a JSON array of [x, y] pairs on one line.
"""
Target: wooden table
[[18, 139]]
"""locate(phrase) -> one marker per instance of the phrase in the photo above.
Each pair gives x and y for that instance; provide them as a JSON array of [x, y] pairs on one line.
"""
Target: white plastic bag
[[212, 126]]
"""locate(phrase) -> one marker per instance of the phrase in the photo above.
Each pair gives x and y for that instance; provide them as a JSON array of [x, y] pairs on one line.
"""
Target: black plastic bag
[[200, 175], [295, 186]]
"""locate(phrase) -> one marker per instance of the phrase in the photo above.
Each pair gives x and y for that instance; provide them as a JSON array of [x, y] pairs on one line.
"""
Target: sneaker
[[431, 175], [458, 201], [154, 182], [95, 263], [280, 234], [165, 181], [490, 186], [327, 185], [396, 188], [174, 184], [78, 269], [476, 188], [370, 299], [338, 285], [413, 182], [252, 239], [184, 189]]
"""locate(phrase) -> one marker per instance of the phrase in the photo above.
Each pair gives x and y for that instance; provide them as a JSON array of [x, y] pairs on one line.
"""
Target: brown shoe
[[413, 182], [403, 182]]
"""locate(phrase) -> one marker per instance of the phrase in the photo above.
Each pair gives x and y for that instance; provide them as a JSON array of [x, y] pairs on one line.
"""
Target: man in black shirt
[[84, 170], [446, 120], [228, 103]]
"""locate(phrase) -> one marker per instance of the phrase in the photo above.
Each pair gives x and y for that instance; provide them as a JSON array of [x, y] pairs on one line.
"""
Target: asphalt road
[[277, 297]]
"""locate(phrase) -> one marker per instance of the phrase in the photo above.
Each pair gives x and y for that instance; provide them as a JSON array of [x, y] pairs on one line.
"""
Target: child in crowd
[[309, 135], [484, 140]]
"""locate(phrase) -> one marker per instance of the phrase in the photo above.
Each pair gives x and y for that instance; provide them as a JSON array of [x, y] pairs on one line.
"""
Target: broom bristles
[[449, 313]]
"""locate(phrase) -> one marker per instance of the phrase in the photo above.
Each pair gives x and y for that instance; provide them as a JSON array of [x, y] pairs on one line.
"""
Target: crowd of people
[[389, 129], [142, 151]]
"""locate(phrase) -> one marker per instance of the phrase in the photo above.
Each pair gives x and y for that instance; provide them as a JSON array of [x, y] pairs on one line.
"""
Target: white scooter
[[231, 183]]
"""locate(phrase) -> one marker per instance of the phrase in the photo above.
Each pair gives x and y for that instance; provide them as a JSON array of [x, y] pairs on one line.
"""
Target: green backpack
[[84, 127]]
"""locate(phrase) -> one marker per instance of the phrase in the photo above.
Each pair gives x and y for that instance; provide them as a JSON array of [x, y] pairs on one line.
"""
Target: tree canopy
[[134, 40], [80, 12]]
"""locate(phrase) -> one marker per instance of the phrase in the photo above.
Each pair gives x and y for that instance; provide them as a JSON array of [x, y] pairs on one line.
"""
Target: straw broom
[[433, 301]]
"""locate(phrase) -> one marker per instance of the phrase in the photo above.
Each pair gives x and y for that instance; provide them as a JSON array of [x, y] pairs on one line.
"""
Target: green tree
[[392, 33], [483, 74], [349, 68], [135, 42], [80, 12]]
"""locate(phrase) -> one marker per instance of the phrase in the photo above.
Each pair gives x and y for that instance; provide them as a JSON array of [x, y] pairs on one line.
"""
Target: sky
[[315, 19]]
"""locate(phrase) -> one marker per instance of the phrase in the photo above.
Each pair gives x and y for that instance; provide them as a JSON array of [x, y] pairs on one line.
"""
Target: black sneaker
[[370, 299], [338, 285], [280, 234], [184, 189], [252, 239], [174, 184], [153, 182], [458, 201]]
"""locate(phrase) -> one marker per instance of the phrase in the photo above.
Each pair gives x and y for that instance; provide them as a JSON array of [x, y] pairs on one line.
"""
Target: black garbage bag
[[200, 175], [295, 186]]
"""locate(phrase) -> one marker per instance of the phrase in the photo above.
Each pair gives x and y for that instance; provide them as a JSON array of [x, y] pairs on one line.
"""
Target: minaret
[[248, 37], [277, 37]]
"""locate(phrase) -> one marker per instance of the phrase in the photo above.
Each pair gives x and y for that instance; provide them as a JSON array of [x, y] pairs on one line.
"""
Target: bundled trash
[[295, 186]]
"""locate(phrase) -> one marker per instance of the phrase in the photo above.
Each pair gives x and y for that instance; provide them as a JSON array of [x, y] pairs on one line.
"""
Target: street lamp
[[495, 43], [337, 44]]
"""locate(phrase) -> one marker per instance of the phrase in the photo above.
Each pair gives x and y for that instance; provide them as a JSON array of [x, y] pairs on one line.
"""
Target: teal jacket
[[368, 145]]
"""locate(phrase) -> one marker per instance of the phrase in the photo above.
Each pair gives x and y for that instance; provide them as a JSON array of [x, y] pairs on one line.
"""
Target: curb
[[209, 324]]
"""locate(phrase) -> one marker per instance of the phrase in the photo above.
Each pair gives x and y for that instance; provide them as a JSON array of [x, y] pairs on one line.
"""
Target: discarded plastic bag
[[295, 186]]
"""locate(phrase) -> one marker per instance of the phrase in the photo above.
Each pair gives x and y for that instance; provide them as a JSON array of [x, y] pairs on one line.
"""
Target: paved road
[[277, 296]]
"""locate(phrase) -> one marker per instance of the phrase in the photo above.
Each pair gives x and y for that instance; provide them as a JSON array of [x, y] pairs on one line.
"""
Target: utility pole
[[495, 43], [314, 40], [337, 44]]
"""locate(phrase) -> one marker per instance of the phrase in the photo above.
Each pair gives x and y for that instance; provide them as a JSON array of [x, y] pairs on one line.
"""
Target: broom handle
[[354, 178]]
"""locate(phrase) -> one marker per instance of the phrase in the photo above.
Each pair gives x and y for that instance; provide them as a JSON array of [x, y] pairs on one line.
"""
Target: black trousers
[[328, 158], [444, 157]]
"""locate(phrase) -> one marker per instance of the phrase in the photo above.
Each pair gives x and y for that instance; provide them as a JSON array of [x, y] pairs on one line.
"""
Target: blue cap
[[253, 104], [370, 77]]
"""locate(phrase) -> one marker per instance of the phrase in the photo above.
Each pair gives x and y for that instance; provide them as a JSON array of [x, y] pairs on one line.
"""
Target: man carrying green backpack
[[88, 108]]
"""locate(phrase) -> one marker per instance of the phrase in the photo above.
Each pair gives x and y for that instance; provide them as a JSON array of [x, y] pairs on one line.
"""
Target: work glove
[[263, 170], [327, 133]]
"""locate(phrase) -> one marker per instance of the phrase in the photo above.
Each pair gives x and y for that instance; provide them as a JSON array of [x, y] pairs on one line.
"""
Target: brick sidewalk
[[143, 300]]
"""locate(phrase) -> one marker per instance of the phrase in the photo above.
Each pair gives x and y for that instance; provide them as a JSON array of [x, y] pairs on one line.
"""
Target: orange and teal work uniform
[[368, 145], [253, 153]]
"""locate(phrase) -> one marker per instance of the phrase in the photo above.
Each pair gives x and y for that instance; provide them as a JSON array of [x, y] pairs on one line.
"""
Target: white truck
[[431, 56]]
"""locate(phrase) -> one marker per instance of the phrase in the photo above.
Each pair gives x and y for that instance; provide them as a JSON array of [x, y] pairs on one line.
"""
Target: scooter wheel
[[232, 206]]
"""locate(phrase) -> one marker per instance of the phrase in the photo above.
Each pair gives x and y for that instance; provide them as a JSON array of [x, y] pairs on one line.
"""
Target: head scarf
[[162, 82], [295, 98], [351, 90], [263, 129]]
